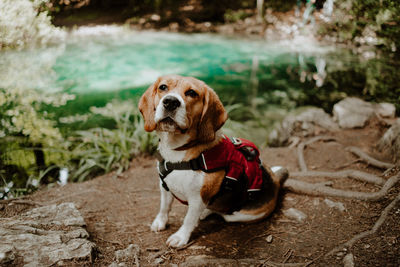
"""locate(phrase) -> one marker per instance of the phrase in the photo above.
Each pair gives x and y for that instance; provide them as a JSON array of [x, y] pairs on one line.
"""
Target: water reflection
[[121, 63]]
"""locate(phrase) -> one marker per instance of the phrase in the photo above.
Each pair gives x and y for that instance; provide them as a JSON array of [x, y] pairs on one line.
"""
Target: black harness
[[166, 167]]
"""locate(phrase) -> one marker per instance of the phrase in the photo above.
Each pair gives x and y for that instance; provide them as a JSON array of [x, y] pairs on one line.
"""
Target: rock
[[305, 123], [386, 110], [44, 236], [295, 214], [390, 141], [205, 260], [158, 261], [130, 254], [353, 112], [348, 260], [336, 205], [114, 264], [7, 254], [269, 238]]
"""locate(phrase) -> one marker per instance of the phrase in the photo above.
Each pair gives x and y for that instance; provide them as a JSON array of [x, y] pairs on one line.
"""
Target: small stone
[[367, 246], [269, 239], [127, 254], [295, 214], [155, 17], [158, 261], [348, 260], [336, 205], [340, 254]]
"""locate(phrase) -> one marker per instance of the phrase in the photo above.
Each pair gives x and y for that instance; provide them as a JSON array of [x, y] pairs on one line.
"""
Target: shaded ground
[[119, 210]]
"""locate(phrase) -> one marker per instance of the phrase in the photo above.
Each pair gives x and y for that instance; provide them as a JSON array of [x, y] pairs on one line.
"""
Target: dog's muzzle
[[171, 103]]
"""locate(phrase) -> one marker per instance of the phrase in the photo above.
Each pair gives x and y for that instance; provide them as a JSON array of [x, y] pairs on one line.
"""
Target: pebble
[[269, 239], [348, 260], [158, 261], [336, 205], [295, 214]]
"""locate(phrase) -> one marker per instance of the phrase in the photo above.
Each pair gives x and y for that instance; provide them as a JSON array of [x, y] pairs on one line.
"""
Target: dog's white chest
[[185, 183]]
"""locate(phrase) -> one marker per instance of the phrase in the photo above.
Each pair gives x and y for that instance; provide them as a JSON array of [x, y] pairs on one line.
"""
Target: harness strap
[[166, 167]]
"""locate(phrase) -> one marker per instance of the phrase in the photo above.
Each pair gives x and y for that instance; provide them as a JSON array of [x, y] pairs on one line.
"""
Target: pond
[[98, 64]]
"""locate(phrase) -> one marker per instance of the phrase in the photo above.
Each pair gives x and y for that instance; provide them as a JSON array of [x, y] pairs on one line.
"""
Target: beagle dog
[[187, 116]]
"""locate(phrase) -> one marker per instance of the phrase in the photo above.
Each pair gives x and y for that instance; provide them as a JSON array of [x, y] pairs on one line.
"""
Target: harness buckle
[[236, 141]]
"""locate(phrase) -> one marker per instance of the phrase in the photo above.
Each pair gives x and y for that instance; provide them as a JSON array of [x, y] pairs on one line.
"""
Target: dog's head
[[179, 104]]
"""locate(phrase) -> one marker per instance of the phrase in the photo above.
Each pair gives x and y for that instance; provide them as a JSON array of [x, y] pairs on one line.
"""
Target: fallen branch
[[354, 174], [373, 230], [302, 145], [368, 159], [311, 189]]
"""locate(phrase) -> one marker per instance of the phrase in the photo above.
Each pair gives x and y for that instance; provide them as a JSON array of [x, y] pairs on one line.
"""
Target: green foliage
[[102, 150], [236, 15], [281, 6], [21, 116], [25, 128], [22, 24], [367, 22]]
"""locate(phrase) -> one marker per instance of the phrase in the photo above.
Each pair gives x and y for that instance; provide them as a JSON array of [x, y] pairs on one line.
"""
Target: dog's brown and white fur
[[187, 116]]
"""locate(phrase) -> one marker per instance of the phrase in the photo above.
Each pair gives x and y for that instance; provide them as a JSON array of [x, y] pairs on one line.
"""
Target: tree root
[[20, 201], [373, 230], [311, 189], [354, 174], [368, 159], [302, 145]]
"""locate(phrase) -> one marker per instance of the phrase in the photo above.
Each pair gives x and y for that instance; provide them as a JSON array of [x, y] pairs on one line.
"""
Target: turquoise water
[[100, 64]]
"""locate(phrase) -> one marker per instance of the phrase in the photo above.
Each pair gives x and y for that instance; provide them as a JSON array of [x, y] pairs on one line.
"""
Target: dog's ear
[[212, 117], [147, 107]]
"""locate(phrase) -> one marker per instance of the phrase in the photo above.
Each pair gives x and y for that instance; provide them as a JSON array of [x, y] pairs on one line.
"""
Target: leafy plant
[[22, 24], [102, 150]]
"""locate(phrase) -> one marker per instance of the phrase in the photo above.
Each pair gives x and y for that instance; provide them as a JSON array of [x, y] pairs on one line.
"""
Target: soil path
[[119, 210]]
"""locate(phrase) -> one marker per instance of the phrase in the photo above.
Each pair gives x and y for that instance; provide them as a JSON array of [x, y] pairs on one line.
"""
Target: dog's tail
[[281, 173]]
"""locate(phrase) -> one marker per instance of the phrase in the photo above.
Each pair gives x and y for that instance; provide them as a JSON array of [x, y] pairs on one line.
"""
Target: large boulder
[[45, 236], [353, 112], [302, 123]]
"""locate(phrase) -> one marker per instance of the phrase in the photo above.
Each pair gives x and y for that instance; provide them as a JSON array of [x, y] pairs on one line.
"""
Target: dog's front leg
[[181, 237], [160, 222]]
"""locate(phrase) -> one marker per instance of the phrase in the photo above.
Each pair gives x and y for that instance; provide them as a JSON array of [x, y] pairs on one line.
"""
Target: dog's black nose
[[171, 103]]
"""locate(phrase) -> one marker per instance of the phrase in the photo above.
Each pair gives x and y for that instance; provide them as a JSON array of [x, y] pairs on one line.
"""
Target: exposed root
[[302, 145], [295, 264], [321, 190], [14, 201], [373, 230], [354, 174], [368, 159]]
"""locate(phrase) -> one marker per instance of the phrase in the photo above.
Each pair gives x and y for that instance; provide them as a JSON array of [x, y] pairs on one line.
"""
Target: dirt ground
[[119, 210]]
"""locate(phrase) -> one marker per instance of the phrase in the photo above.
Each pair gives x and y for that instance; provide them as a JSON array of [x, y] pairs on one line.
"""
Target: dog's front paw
[[159, 223], [178, 239]]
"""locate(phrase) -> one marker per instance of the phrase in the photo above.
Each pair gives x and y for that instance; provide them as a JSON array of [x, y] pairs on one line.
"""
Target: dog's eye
[[191, 93], [163, 87]]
